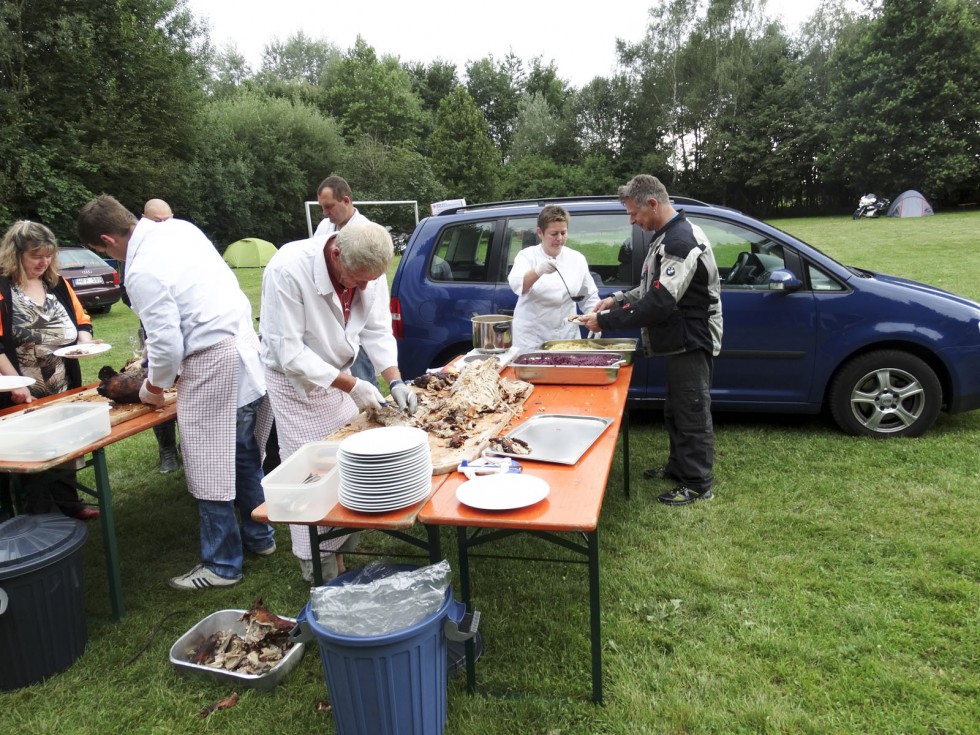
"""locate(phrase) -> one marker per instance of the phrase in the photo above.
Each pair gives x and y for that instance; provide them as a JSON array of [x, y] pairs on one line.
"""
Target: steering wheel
[[736, 276]]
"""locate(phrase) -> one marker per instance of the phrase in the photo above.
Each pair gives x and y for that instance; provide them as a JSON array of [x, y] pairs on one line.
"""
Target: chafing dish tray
[[529, 367], [625, 347], [555, 437], [230, 620]]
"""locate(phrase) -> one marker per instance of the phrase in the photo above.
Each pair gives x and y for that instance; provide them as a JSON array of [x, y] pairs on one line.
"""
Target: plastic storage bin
[[51, 431], [391, 684], [42, 598], [304, 487]]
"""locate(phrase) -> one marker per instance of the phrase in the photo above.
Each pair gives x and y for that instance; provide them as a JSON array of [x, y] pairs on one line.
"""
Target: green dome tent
[[249, 253]]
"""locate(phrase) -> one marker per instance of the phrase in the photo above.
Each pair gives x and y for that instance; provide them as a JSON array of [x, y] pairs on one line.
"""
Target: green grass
[[832, 586]]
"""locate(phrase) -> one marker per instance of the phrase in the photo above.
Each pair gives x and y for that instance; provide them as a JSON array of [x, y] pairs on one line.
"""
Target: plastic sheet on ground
[[381, 599]]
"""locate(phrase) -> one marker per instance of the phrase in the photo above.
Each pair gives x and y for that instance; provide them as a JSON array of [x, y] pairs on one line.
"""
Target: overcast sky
[[580, 38]]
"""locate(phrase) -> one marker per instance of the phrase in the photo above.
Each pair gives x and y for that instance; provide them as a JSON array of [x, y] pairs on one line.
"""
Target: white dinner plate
[[12, 382], [391, 440], [504, 491], [73, 352]]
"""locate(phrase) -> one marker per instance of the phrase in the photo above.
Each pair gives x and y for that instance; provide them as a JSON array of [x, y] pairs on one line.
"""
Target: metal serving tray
[[555, 437], [565, 374], [591, 346], [229, 620]]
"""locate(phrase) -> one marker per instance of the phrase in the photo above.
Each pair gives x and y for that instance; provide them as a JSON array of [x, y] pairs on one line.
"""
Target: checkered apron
[[206, 411], [300, 422]]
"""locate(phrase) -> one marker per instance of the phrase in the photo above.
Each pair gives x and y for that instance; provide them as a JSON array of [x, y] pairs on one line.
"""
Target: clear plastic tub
[[52, 431], [303, 488]]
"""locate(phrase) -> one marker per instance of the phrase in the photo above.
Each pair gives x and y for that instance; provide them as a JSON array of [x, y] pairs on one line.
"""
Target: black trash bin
[[42, 597]]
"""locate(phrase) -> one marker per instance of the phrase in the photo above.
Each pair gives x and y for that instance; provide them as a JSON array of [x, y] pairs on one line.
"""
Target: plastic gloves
[[366, 395], [150, 398], [546, 266], [404, 397]]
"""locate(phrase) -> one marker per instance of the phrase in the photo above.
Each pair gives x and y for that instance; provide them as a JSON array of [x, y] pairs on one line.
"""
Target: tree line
[[131, 97]]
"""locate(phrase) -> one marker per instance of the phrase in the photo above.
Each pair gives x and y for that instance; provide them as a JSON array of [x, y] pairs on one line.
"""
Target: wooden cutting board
[[118, 412], [446, 459]]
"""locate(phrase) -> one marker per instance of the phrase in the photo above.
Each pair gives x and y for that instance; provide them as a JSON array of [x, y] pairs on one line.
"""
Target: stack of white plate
[[384, 469]]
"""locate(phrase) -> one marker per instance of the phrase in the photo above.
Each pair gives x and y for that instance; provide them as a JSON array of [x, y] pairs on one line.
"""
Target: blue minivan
[[802, 332]]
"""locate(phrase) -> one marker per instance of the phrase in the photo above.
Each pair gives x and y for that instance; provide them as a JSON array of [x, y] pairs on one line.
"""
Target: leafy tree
[[543, 80], [536, 128], [96, 97], [908, 102], [463, 155], [496, 88], [373, 97], [229, 72], [298, 60], [257, 160], [383, 173]]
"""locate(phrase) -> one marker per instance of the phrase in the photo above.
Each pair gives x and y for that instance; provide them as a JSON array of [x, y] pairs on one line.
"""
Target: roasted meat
[[119, 387]]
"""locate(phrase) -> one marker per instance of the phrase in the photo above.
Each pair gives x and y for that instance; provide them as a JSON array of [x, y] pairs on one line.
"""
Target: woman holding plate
[[39, 313]]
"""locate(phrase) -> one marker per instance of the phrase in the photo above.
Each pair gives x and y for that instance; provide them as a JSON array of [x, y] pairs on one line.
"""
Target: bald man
[[157, 210]]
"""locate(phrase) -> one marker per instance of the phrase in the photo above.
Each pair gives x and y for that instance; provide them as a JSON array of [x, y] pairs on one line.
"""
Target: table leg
[[435, 544], [464, 590], [594, 617], [625, 426], [315, 555], [108, 523]]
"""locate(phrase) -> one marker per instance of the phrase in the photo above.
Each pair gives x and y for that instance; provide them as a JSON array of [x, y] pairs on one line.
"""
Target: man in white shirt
[[322, 302], [335, 198], [199, 326]]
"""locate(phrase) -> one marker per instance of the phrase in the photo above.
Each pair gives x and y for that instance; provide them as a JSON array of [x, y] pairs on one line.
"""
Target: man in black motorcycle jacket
[[678, 306]]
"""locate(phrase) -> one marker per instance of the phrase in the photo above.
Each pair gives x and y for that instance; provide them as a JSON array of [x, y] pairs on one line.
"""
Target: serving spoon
[[576, 299]]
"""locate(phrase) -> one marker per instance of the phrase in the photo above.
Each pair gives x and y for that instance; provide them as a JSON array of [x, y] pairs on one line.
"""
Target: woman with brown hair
[[39, 313]]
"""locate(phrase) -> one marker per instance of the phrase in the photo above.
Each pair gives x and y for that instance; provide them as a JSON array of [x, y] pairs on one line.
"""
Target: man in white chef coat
[[321, 303], [199, 326]]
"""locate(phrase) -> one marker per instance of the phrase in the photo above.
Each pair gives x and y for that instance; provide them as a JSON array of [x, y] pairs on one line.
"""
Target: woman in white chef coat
[[543, 301]]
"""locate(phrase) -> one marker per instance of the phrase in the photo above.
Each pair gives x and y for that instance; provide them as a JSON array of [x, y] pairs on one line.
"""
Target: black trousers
[[687, 414]]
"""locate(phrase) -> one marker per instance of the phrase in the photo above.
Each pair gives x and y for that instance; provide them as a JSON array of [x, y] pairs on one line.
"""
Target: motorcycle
[[398, 239], [871, 206]]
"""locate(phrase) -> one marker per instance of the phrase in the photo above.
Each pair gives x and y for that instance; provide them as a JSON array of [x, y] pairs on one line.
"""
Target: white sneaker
[[268, 551], [200, 578]]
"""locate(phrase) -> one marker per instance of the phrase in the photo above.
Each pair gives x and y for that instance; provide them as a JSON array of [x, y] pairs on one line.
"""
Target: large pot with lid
[[492, 333]]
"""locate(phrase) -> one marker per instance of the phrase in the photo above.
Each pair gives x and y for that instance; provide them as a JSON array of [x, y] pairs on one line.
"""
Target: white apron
[[300, 421]]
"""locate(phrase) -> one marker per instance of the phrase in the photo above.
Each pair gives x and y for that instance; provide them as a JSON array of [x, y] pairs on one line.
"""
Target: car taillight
[[396, 319], [115, 278]]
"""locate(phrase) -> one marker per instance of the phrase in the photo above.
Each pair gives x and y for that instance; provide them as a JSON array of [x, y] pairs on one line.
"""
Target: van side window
[[461, 253], [599, 237], [745, 258]]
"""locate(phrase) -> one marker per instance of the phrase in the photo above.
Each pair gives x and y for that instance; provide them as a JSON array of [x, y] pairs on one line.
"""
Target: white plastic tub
[[44, 433], [304, 487]]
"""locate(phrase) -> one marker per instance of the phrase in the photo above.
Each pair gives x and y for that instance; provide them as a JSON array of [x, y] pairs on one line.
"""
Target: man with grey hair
[[321, 303], [335, 198], [678, 306]]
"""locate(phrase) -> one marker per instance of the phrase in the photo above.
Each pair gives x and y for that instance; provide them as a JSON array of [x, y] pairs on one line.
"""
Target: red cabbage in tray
[[571, 360]]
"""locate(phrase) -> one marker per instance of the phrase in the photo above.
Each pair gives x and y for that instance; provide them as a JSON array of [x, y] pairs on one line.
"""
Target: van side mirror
[[782, 279]]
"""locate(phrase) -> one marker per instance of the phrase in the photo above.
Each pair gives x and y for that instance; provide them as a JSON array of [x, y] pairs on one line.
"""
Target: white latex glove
[[546, 266], [404, 397], [150, 398], [366, 395]]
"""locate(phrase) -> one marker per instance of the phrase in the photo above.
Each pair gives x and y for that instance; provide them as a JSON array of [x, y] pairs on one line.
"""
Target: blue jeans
[[363, 369], [222, 538]]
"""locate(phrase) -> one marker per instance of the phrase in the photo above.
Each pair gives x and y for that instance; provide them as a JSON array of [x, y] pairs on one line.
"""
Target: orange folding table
[[572, 505], [126, 420]]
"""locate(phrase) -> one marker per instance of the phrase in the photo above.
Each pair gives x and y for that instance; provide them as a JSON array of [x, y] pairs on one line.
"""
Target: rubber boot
[[167, 442]]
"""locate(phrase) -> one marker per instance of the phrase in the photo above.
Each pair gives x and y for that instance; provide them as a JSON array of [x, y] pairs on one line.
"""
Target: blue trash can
[[390, 684]]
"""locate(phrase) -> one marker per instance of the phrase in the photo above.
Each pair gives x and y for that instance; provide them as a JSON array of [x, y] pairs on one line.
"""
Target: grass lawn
[[832, 586]]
